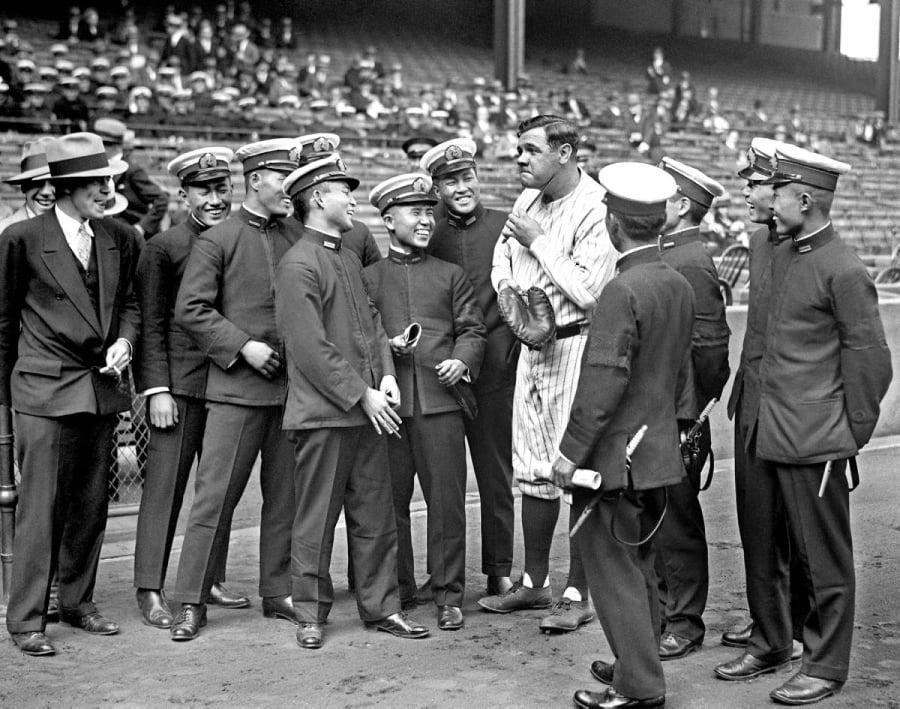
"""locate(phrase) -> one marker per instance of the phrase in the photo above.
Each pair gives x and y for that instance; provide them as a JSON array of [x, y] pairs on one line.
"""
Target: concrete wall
[[888, 424], [650, 16]]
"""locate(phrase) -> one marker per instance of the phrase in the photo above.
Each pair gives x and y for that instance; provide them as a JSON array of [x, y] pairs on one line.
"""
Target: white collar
[[70, 225]]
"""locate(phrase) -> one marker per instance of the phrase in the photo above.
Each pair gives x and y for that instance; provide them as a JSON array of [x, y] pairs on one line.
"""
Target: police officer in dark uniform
[[172, 375], [634, 371], [227, 304], [824, 369], [466, 234], [682, 560]]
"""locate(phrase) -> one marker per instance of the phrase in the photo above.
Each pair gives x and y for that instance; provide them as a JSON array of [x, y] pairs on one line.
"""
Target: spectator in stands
[[89, 30], [207, 46], [100, 67], [798, 133], [246, 53], [147, 202], [759, 119], [139, 105], [34, 181], [684, 106], [68, 26], [659, 73], [871, 130], [264, 38], [195, 19], [178, 44], [286, 38], [120, 76], [579, 63], [34, 107], [713, 120], [574, 108], [70, 106], [109, 103]]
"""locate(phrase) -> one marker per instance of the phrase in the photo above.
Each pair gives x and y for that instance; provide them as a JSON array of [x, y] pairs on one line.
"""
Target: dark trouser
[[64, 464], [745, 495], [234, 436], [347, 468], [682, 561], [434, 447], [490, 444], [170, 455], [623, 584], [817, 535]]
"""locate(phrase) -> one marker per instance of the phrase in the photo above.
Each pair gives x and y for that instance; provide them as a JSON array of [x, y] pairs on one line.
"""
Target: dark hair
[[643, 228], [559, 130], [301, 204], [696, 212]]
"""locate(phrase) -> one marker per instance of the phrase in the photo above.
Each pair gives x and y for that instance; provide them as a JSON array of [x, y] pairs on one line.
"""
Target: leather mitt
[[529, 316]]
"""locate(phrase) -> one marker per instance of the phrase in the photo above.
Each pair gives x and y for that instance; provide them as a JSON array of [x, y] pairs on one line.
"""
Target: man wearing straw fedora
[[68, 322], [34, 181]]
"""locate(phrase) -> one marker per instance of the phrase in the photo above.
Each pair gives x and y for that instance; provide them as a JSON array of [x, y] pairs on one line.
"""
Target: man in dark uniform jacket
[[337, 354], [682, 560], [315, 146], [227, 304], [412, 287], [147, 202], [466, 235], [635, 368], [769, 252], [68, 322], [824, 369], [172, 376]]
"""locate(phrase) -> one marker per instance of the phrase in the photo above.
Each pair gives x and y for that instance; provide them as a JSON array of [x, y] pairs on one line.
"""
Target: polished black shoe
[[739, 637], [279, 607], [603, 671], [188, 622], [804, 689], [309, 635], [450, 618], [425, 593], [33, 643], [155, 612], [672, 646], [221, 596], [92, 622], [398, 625], [745, 667], [611, 699]]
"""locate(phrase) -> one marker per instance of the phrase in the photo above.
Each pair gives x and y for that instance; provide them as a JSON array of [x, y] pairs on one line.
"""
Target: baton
[[701, 419], [629, 451], [825, 475]]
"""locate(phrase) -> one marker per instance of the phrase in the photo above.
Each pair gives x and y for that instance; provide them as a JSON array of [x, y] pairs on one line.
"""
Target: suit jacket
[[169, 357], [52, 340], [360, 240], [825, 363], [186, 51], [633, 371], [685, 252], [147, 202], [336, 346], [409, 288], [20, 215], [470, 244], [227, 298]]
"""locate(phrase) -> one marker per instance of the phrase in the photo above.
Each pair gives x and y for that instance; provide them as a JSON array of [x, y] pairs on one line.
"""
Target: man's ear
[[253, 181], [182, 194], [388, 220], [684, 206], [806, 201], [566, 153]]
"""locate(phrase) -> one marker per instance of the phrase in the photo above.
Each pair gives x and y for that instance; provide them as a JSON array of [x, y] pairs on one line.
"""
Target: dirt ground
[[243, 660]]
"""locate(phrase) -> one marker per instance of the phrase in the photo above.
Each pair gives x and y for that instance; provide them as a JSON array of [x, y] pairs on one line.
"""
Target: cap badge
[[340, 165], [419, 184], [323, 145], [207, 160], [294, 155], [453, 152], [751, 156]]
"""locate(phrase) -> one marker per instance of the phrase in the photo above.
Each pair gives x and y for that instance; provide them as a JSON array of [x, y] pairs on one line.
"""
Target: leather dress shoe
[[309, 635], [738, 637], [602, 671], [517, 598], [221, 596], [188, 622], [804, 689], [567, 616], [745, 667], [672, 646], [497, 585], [92, 622], [450, 618], [279, 607], [611, 699], [155, 612], [398, 625], [33, 643]]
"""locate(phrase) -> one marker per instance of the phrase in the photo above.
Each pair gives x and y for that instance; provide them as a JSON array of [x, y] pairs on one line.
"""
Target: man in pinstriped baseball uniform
[[555, 239]]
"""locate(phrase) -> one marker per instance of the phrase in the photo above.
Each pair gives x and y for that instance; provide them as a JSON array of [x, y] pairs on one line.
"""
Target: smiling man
[[172, 376], [68, 322], [412, 287], [466, 235], [824, 368], [34, 181], [555, 239]]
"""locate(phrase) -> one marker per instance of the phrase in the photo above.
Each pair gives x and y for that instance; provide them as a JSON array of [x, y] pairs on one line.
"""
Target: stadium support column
[[888, 99], [509, 41]]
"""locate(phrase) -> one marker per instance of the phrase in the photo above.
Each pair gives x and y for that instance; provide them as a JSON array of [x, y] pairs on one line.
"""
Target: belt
[[571, 330]]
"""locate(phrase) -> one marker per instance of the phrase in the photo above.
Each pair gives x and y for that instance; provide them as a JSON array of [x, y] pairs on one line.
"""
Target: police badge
[[323, 145], [207, 161], [453, 152], [419, 185], [294, 155]]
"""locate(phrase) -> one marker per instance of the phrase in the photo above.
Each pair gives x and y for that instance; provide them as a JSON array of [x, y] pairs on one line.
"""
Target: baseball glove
[[529, 316]]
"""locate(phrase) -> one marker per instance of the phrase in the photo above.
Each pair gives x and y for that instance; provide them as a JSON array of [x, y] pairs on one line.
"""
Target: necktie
[[83, 246]]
